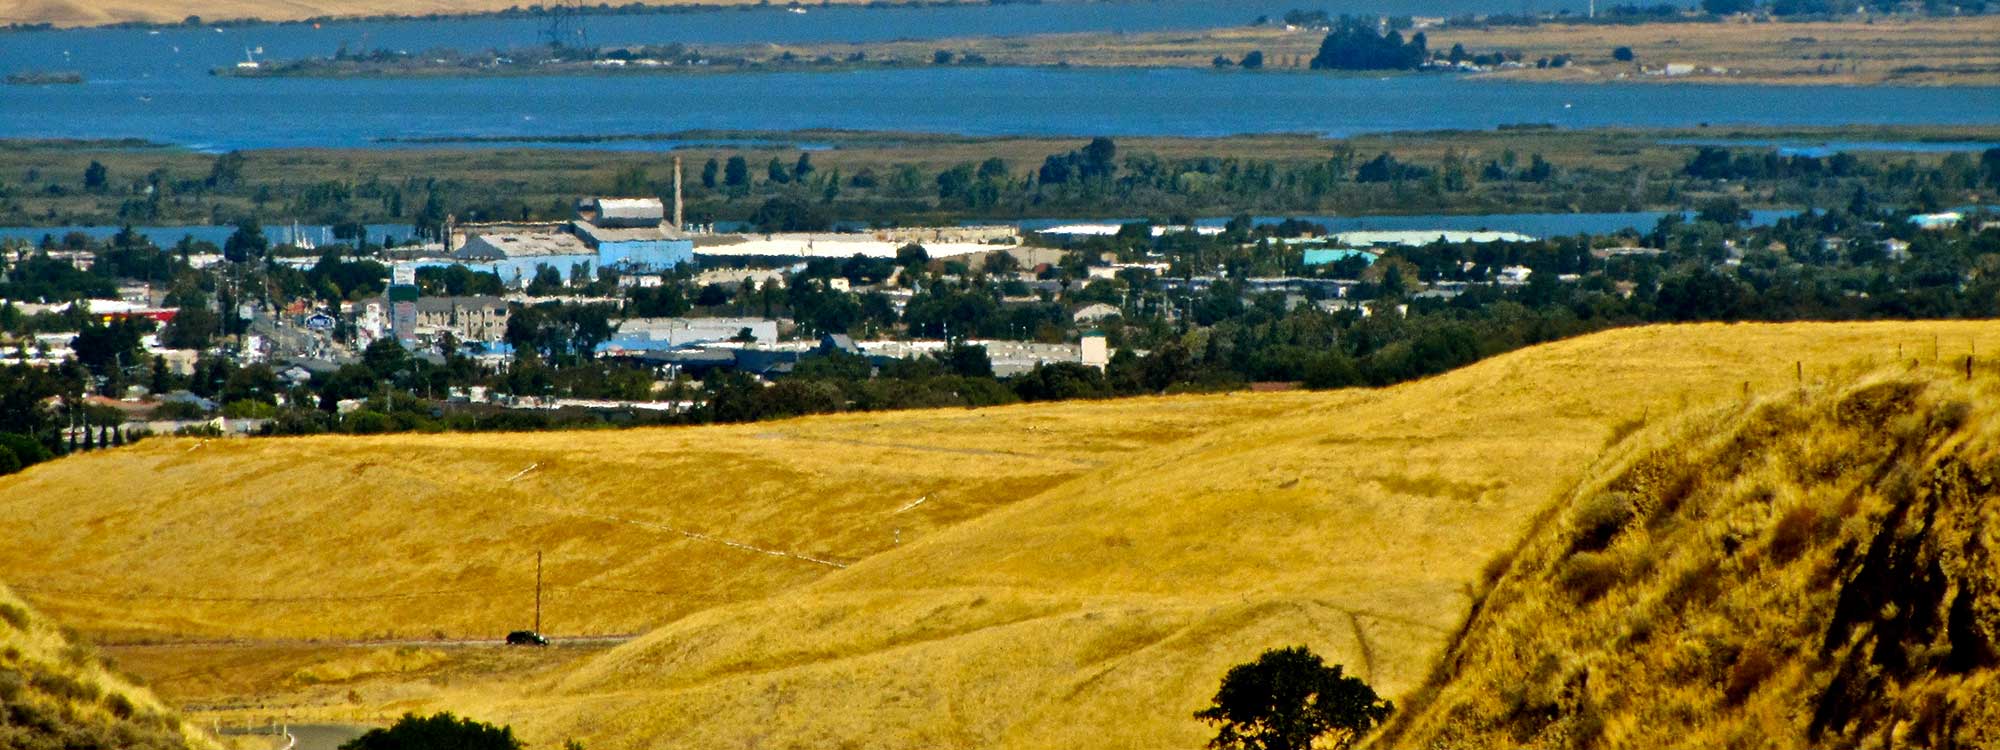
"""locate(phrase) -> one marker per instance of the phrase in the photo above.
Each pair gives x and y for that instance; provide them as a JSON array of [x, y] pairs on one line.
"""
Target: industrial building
[[630, 235], [516, 256], [626, 235]]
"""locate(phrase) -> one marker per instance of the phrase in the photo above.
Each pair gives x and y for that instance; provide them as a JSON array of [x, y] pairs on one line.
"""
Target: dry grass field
[[1932, 51], [1929, 51], [55, 693], [1797, 572], [100, 12], [1067, 563]]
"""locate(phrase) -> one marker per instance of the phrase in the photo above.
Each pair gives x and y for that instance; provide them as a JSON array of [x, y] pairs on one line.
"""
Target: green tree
[[708, 174], [96, 177], [788, 214], [246, 243], [736, 175], [968, 360], [26, 450], [385, 357], [1289, 699], [193, 327], [227, 169], [631, 181], [108, 349], [441, 731]]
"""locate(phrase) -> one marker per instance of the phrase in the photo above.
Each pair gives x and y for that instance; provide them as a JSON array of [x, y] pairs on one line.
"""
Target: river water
[[225, 113], [154, 85]]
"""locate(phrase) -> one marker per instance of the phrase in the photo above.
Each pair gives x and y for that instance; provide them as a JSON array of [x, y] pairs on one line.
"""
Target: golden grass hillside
[[99, 12], [58, 694], [1028, 576], [1103, 611], [1788, 572], [435, 536]]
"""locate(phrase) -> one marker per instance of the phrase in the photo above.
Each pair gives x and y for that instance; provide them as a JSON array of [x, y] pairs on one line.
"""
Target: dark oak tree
[[1289, 699]]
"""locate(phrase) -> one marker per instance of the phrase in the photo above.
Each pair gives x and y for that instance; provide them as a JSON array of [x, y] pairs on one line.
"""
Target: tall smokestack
[[677, 194]]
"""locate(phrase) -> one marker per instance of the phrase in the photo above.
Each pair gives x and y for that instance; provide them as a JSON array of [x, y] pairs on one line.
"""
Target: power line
[[248, 599], [154, 596]]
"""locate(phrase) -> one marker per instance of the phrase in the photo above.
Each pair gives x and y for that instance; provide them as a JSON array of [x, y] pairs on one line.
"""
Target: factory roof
[[600, 234], [521, 245], [630, 212]]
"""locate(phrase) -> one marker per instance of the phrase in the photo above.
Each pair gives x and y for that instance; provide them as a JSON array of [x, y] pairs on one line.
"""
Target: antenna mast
[[538, 592]]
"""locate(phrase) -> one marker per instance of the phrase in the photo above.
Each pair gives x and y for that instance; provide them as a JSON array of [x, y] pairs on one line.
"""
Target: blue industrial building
[[631, 235], [636, 250], [626, 235]]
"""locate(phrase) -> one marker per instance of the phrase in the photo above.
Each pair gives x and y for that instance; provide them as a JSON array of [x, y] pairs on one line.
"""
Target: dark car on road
[[526, 638]]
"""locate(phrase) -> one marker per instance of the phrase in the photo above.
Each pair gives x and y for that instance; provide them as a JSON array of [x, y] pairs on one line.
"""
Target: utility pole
[[538, 592]]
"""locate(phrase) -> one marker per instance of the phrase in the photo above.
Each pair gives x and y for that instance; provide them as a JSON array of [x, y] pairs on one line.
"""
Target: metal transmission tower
[[565, 27]]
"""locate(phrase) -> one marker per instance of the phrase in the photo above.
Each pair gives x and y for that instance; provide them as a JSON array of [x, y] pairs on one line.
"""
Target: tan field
[[1031, 576], [1930, 51], [100, 12], [1936, 51]]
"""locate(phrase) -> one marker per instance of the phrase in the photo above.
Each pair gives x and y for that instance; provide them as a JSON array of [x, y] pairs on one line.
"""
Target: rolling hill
[[58, 694], [1813, 572], [1027, 576]]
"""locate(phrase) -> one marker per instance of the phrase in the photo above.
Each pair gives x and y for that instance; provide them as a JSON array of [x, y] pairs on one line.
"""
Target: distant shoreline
[[1571, 76], [1911, 51]]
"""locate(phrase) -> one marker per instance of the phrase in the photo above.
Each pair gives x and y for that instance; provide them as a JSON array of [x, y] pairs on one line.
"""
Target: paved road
[[581, 640], [307, 736], [325, 736]]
